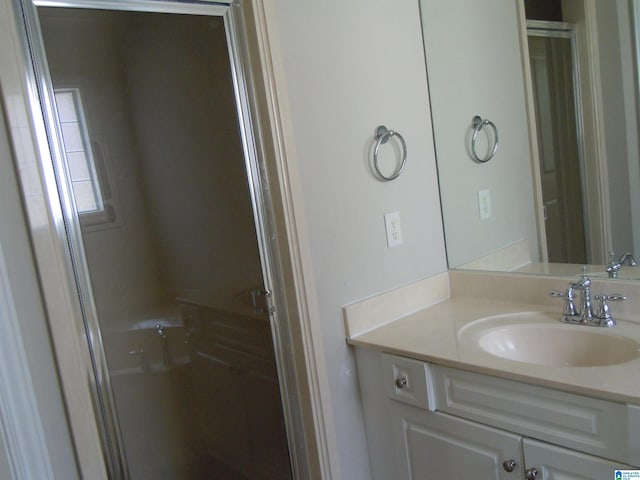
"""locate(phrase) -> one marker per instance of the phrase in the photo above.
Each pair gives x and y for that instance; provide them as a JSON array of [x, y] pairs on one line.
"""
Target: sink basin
[[540, 338], [557, 344]]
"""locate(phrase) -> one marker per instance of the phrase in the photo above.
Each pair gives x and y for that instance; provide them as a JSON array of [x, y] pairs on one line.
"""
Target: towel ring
[[383, 134], [478, 124]]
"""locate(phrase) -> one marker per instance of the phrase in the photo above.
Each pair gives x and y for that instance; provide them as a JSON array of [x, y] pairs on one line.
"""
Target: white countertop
[[437, 334]]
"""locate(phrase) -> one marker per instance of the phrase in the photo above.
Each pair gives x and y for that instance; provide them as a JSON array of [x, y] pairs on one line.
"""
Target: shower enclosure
[[152, 161]]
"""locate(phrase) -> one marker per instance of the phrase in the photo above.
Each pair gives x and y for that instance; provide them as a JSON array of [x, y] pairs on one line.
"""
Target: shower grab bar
[[478, 124]]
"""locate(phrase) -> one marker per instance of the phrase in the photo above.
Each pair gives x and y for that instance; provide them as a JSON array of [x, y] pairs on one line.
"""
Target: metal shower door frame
[[66, 224]]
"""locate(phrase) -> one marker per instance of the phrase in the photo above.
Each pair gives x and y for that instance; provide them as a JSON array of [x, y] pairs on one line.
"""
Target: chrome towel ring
[[478, 124], [383, 134]]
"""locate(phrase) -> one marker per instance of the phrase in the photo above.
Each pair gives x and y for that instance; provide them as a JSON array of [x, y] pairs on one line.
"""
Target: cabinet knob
[[531, 474], [509, 465], [401, 382]]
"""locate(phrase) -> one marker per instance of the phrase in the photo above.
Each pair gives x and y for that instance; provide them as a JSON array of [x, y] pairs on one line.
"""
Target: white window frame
[[104, 212]]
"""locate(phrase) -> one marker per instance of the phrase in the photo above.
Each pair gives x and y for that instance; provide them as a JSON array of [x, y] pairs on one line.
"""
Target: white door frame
[[596, 185], [596, 176]]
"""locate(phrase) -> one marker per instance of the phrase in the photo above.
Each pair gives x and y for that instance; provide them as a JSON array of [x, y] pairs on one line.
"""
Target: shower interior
[[171, 249]]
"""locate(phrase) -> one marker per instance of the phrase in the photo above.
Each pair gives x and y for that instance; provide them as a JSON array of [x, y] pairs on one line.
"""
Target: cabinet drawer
[[407, 381], [586, 424]]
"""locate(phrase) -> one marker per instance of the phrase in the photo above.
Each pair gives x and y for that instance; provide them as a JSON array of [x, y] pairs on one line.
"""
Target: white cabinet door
[[556, 463], [433, 446]]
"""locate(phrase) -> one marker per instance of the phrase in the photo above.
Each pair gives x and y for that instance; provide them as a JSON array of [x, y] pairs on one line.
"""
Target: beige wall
[[349, 67], [619, 110], [192, 165]]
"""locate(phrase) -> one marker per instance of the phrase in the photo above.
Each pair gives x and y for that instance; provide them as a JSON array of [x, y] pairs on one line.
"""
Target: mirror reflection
[[558, 79]]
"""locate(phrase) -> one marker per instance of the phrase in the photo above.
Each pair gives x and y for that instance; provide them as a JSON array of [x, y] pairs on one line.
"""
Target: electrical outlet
[[394, 232], [484, 204]]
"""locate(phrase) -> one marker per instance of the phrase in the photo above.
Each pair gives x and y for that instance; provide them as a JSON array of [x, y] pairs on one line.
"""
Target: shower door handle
[[268, 307]]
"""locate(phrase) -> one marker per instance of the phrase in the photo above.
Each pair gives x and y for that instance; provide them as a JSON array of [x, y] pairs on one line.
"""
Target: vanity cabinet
[[434, 445], [429, 422], [236, 391]]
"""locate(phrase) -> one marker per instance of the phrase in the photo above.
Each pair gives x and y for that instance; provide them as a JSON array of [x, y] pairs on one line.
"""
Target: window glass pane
[[72, 137], [66, 107], [78, 167], [84, 195], [81, 169]]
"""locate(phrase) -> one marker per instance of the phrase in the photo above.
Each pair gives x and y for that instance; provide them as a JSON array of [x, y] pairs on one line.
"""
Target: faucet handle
[[613, 297], [603, 313], [569, 296]]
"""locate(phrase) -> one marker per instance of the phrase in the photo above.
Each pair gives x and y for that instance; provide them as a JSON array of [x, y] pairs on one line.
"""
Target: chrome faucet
[[584, 314], [628, 259], [586, 307], [615, 265], [144, 359], [166, 360]]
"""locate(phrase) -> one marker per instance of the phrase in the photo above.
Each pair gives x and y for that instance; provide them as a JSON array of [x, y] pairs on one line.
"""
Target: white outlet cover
[[394, 231], [484, 204]]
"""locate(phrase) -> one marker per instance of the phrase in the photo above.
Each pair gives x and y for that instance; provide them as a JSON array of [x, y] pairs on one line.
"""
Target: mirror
[[558, 79]]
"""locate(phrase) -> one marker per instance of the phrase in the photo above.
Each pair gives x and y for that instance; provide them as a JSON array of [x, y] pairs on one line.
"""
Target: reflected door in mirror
[[559, 154]]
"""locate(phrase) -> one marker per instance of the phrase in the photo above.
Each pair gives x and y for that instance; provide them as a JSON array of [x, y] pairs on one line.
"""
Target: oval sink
[[557, 345]]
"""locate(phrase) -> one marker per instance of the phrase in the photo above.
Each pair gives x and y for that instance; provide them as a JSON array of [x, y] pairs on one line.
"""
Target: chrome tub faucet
[[166, 360]]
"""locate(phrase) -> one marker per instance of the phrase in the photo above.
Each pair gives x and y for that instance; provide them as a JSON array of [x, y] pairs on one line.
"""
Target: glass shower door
[[168, 264]]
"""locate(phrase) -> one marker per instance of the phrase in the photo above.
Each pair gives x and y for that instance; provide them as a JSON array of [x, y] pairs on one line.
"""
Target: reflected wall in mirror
[[560, 84]]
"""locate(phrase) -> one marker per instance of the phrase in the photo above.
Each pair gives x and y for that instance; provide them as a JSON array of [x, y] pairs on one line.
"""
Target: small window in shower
[[77, 147]]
